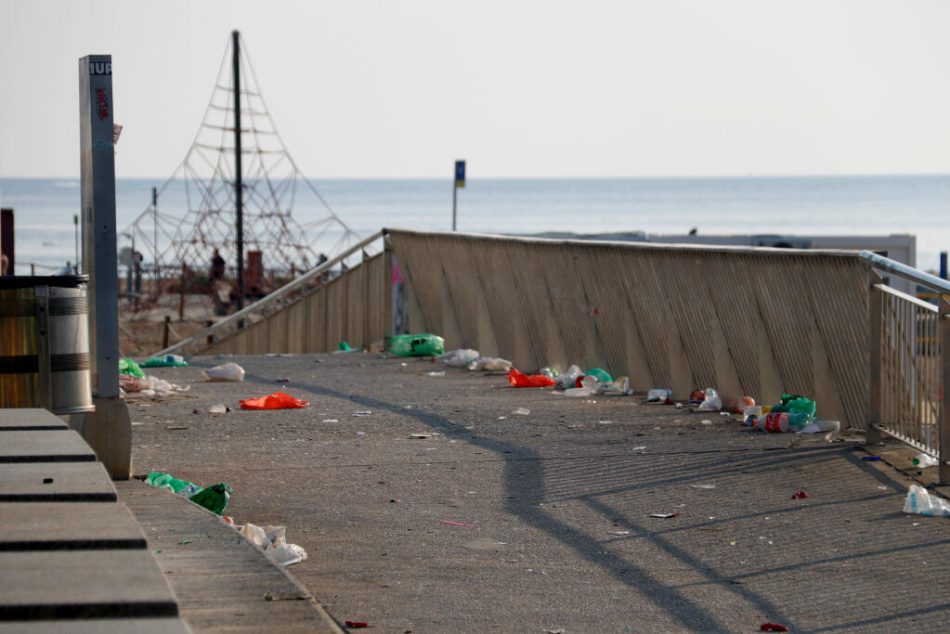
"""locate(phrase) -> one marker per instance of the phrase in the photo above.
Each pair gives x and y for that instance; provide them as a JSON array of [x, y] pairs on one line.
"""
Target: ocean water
[[866, 205]]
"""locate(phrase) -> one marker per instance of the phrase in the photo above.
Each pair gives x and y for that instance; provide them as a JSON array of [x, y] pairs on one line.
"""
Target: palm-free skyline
[[533, 89]]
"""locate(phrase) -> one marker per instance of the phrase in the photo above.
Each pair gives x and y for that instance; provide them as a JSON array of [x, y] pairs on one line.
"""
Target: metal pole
[[238, 186], [455, 190], [109, 429], [76, 226], [155, 230]]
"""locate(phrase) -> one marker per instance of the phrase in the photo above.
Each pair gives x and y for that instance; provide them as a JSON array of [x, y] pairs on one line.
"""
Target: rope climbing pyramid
[[206, 182]]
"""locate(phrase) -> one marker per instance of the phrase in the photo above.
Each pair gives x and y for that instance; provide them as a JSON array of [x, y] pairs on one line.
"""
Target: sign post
[[108, 430], [459, 183]]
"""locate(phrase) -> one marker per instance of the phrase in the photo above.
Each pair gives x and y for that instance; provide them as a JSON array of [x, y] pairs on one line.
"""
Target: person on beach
[[216, 275]]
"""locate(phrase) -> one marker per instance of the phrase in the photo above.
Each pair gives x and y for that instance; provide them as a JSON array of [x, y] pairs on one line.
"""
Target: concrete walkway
[[427, 504]]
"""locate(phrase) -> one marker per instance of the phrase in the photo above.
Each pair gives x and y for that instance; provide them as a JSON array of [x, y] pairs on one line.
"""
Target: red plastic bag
[[519, 379], [277, 400]]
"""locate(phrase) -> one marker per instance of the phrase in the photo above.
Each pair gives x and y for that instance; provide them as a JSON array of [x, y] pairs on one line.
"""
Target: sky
[[383, 89]]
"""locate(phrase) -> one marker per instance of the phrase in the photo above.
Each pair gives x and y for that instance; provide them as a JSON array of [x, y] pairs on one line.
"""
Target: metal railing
[[273, 302], [909, 361]]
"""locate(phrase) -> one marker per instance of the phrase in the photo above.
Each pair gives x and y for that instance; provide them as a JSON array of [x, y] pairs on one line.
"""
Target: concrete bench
[[72, 559]]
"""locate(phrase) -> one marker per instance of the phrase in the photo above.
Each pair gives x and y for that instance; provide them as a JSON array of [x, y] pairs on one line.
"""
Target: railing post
[[364, 274], [388, 313], [876, 398], [943, 420]]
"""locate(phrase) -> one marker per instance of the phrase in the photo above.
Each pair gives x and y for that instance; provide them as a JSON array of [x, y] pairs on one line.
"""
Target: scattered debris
[[167, 361], [459, 358], [219, 408], [418, 345], [660, 395], [357, 624], [773, 627], [420, 436], [522, 411], [799, 495], [440, 373], [664, 516], [277, 400], [273, 542], [921, 502], [519, 379], [331, 420], [703, 486], [363, 413], [224, 372]]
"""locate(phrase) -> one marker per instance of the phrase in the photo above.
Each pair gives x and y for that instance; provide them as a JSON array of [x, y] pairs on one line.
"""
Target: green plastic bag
[[795, 404], [602, 376], [168, 482], [168, 361], [130, 367], [214, 498], [420, 345]]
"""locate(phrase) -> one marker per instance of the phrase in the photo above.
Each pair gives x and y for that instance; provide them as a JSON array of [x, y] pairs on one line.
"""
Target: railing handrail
[[287, 288], [884, 288], [907, 272]]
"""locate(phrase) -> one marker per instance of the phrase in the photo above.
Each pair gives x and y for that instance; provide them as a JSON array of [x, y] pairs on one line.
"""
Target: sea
[[46, 236]]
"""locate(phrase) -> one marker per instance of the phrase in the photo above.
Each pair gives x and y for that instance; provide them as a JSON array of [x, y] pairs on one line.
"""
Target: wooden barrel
[[44, 343]]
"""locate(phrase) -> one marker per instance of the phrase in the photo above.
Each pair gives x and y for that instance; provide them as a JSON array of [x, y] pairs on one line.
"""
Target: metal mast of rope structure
[[257, 203], [238, 190]]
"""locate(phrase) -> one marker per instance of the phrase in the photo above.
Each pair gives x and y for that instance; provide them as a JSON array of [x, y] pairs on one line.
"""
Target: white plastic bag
[[712, 402], [490, 364], [459, 358], [225, 372], [660, 395], [922, 502]]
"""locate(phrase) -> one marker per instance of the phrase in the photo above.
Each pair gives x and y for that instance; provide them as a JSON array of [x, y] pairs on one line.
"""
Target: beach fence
[[747, 321]]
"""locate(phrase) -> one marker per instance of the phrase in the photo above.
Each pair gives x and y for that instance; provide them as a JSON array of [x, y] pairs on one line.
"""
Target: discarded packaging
[[272, 541], [924, 460], [602, 376], [131, 383], [214, 498], [568, 378], [795, 403], [129, 367], [696, 397], [161, 480], [711, 401], [490, 364], [357, 624], [167, 361], [799, 495], [219, 408], [440, 373], [773, 627], [459, 358], [522, 411], [549, 372], [419, 345], [660, 395], [277, 400], [156, 387], [224, 372], [664, 516], [619, 387], [921, 502], [742, 404], [519, 379]]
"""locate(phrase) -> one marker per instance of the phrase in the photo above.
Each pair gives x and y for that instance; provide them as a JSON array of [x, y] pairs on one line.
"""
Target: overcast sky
[[519, 88]]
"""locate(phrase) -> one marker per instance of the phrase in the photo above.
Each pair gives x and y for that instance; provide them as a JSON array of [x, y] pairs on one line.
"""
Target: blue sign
[[460, 173]]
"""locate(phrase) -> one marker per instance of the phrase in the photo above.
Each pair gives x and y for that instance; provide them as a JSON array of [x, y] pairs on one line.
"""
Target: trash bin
[[44, 343]]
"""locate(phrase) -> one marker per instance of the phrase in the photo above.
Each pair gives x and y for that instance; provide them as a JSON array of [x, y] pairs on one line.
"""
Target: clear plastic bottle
[[924, 460]]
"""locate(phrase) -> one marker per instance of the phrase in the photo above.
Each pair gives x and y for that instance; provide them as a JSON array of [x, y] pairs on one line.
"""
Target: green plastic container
[[421, 345]]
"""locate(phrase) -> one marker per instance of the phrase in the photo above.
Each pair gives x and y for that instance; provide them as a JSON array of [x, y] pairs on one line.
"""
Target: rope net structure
[[202, 187]]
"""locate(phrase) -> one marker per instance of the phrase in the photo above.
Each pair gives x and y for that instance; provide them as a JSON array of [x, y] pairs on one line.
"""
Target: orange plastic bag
[[277, 400], [519, 379]]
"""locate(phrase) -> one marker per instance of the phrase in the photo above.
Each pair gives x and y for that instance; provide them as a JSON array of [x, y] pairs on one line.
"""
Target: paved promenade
[[427, 504]]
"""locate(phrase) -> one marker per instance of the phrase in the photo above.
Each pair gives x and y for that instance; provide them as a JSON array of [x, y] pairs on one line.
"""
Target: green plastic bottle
[[214, 498], [166, 481], [419, 345]]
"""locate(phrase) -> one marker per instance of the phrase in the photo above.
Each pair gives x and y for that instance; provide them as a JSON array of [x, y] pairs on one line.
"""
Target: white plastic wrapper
[[921, 502], [459, 358], [225, 372]]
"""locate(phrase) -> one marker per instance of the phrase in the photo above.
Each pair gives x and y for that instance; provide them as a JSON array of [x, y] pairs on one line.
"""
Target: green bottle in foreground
[[214, 498]]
